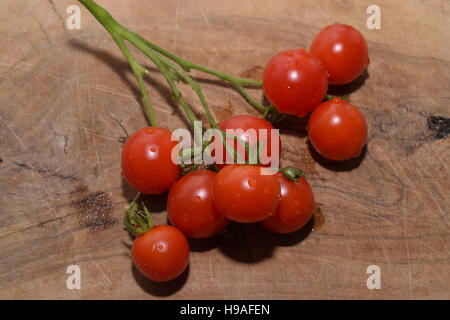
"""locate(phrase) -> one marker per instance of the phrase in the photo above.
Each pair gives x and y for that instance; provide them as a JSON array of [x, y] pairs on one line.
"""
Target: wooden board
[[68, 99]]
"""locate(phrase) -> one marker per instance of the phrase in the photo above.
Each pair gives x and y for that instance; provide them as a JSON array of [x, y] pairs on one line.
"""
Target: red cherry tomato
[[295, 82], [243, 194], [337, 130], [343, 52], [190, 205], [161, 254], [147, 163], [295, 209], [246, 122]]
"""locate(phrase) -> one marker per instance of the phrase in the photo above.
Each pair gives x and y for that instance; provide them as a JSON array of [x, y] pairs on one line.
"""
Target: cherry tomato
[[295, 82], [295, 209], [146, 160], [243, 194], [337, 130], [161, 254], [244, 123], [190, 205], [343, 52]]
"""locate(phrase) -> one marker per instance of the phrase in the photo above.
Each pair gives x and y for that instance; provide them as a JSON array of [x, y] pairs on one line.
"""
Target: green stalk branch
[[168, 76], [237, 82], [170, 72], [115, 30]]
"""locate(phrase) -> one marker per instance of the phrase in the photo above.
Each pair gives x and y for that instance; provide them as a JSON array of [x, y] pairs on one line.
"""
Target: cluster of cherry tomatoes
[[201, 203]]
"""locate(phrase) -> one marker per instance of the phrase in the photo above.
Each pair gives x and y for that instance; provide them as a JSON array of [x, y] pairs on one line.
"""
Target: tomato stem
[[115, 30], [171, 72], [292, 173], [158, 56]]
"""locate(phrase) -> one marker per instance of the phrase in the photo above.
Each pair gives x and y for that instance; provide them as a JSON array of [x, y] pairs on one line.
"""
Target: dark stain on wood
[[95, 211], [440, 126]]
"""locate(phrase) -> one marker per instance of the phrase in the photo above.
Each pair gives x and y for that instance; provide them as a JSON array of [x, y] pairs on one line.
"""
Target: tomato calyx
[[273, 115], [292, 173], [329, 97], [188, 168], [138, 219]]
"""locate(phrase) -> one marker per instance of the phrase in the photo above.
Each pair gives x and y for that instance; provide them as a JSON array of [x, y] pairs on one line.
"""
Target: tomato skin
[[242, 194], [295, 82], [246, 122], [337, 130], [146, 160], [343, 52], [295, 209], [190, 205], [161, 254]]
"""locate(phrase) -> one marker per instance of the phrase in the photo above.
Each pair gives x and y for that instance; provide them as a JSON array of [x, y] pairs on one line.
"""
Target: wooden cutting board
[[68, 101]]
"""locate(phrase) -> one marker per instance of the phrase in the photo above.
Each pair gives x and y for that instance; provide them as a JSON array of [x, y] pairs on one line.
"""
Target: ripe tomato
[[161, 254], [190, 205], [146, 160], [295, 82], [343, 52], [337, 130], [243, 194], [295, 209], [246, 122]]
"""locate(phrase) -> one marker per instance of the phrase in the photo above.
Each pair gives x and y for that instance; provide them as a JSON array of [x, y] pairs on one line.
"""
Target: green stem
[[114, 27], [237, 82], [164, 65], [119, 33], [188, 65], [167, 75], [115, 30]]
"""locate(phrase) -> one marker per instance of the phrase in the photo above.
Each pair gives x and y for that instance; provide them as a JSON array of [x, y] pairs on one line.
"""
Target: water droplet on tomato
[[150, 130]]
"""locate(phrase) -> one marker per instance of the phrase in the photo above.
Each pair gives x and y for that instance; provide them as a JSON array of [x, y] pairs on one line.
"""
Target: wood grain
[[68, 101]]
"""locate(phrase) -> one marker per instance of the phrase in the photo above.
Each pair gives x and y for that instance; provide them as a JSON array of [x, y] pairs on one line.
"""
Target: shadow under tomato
[[154, 203], [202, 245], [338, 166], [347, 89], [294, 126], [249, 243], [291, 239], [160, 289]]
